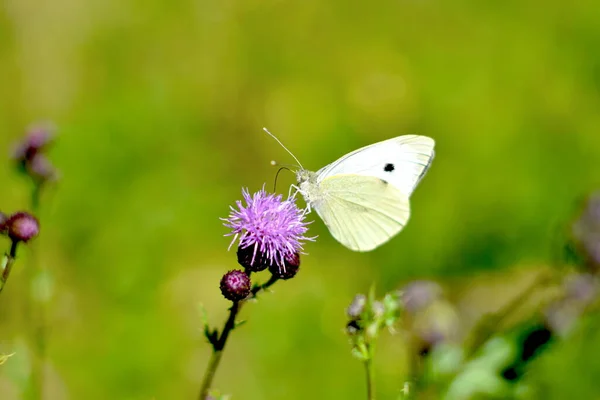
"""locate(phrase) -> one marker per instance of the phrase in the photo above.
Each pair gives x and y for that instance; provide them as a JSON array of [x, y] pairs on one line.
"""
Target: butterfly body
[[363, 197]]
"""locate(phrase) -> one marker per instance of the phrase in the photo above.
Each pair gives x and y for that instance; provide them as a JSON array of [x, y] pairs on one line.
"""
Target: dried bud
[[22, 227], [290, 267], [356, 308], [252, 259], [235, 285]]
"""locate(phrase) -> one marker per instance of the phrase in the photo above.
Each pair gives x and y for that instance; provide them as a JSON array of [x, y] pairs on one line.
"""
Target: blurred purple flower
[[274, 228], [38, 138], [582, 288], [28, 153], [3, 225], [417, 295], [586, 229]]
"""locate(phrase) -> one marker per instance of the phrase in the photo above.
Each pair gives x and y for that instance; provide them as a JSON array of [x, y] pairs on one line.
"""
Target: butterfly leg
[[291, 195], [307, 209], [296, 190]]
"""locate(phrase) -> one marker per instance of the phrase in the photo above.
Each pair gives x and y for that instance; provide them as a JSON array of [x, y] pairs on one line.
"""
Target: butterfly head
[[307, 184]]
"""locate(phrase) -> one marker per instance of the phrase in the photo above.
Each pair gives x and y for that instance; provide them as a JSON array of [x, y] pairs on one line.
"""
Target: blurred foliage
[[159, 108]]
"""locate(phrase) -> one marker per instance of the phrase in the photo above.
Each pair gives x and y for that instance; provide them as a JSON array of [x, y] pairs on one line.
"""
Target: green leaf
[[239, 323]]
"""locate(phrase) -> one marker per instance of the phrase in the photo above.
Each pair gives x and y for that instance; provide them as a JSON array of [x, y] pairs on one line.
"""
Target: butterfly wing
[[401, 161], [361, 212]]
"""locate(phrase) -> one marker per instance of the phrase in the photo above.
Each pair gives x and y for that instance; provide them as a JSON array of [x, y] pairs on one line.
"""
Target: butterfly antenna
[[285, 148]]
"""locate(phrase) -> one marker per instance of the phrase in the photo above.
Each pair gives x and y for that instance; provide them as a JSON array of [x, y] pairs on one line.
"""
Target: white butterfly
[[363, 197]]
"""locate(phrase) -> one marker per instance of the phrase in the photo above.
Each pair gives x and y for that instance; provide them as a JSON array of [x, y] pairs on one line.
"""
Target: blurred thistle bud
[[368, 318], [561, 316], [586, 230], [22, 227], [41, 169], [418, 295], [235, 285], [378, 309], [38, 138], [270, 233], [356, 308], [291, 265], [3, 225], [582, 288], [353, 327], [29, 157], [435, 324]]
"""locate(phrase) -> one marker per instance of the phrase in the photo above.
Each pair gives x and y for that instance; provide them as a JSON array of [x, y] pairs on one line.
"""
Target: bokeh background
[[159, 108]]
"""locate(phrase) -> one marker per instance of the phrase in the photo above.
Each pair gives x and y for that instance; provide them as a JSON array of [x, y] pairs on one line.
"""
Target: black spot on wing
[[388, 167]]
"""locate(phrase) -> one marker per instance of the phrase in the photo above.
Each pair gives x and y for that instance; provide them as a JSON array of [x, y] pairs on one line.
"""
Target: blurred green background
[[159, 108]]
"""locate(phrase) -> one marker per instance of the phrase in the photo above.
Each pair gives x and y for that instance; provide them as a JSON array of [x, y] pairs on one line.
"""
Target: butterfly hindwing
[[362, 212]]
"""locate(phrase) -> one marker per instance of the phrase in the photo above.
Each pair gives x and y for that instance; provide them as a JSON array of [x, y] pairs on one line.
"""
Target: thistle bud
[[235, 285], [22, 227], [290, 267], [252, 259]]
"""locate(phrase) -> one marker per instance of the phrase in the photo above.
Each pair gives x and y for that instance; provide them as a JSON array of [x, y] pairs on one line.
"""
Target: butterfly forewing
[[401, 161], [362, 212]]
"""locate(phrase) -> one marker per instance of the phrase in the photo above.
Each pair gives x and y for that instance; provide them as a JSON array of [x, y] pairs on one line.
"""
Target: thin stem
[[7, 264], [213, 364], [219, 344], [369, 375], [35, 196], [218, 347], [258, 288]]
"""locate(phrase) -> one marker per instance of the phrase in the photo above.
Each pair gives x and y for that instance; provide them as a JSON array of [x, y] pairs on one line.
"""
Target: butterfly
[[363, 197]]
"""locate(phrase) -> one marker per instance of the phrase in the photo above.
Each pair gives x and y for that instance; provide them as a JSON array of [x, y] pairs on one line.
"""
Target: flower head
[[273, 228]]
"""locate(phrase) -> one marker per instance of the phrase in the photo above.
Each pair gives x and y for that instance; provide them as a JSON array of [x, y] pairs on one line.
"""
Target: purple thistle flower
[[272, 227]]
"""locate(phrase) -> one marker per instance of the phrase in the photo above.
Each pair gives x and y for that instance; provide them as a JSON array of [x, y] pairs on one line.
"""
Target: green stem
[[7, 264], [219, 344], [369, 374]]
